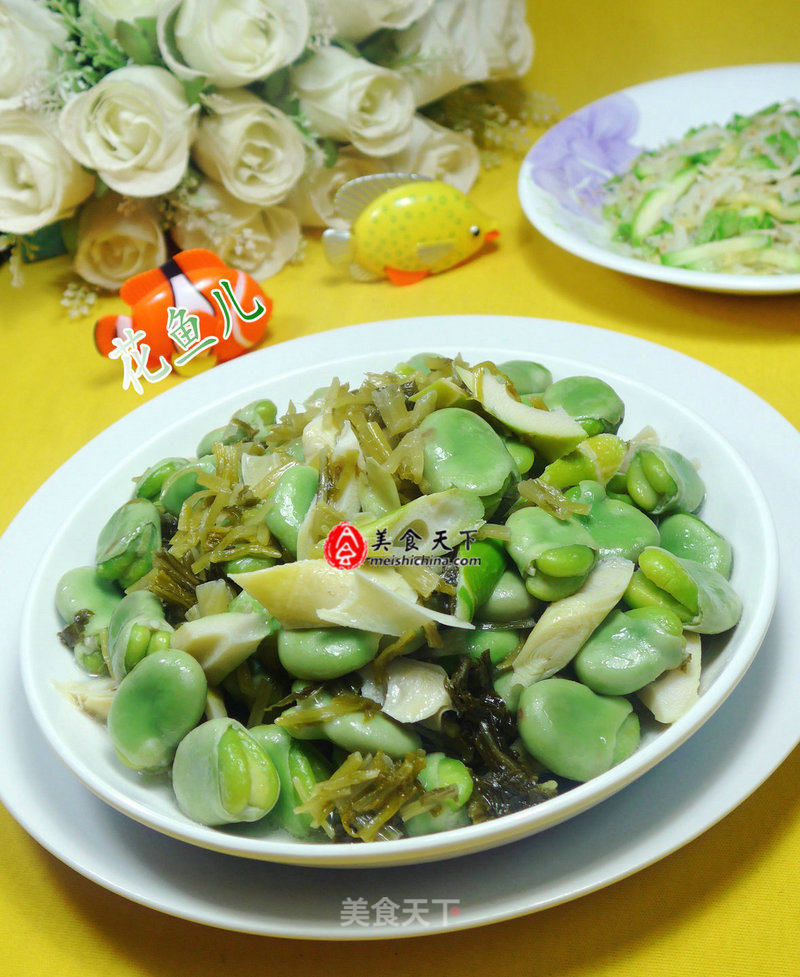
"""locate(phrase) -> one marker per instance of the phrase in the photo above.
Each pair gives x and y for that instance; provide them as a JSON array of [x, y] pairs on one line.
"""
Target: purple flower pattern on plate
[[577, 156]]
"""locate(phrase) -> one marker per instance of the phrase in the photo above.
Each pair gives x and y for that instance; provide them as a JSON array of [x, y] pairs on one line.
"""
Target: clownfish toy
[[404, 227], [194, 301]]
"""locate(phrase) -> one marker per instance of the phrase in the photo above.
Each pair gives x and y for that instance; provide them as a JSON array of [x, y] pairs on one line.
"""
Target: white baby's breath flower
[[117, 239], [250, 147], [231, 44], [78, 299], [357, 19], [458, 42], [312, 198], [134, 127], [108, 12], [39, 180], [439, 153], [353, 100], [29, 36], [258, 240]]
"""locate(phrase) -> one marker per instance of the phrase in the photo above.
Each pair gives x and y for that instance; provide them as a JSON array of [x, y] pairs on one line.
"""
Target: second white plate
[[560, 179]]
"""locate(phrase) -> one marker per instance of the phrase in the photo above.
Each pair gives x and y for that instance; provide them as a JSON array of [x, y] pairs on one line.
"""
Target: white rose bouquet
[[130, 128]]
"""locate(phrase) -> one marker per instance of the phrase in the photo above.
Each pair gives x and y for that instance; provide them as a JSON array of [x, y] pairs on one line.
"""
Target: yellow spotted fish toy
[[404, 227]]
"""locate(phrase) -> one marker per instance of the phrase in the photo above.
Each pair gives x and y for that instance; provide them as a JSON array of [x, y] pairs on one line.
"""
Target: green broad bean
[[617, 488], [509, 601], [617, 528], [554, 555], [325, 653], [222, 775], [149, 483], [594, 405], [294, 761], [443, 771], [82, 592], [137, 628], [127, 542], [82, 589], [687, 536], [289, 504], [524, 456], [597, 458], [476, 583], [642, 592], [527, 377], [247, 564], [259, 415], [574, 732], [428, 823], [499, 644], [183, 484], [155, 707], [228, 434], [709, 604], [247, 424], [661, 481], [629, 650], [418, 363], [461, 450], [358, 731]]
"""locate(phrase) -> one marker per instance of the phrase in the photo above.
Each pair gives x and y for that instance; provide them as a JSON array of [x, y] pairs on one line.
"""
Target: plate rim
[[431, 847], [576, 245]]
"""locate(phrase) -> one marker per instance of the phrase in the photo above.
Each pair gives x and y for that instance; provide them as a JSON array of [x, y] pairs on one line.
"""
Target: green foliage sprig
[[88, 54]]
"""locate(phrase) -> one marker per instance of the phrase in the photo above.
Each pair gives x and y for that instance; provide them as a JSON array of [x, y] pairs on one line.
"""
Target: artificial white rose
[[355, 101], [117, 239], [29, 36], [250, 147], [258, 240], [357, 19], [108, 12], [312, 198], [39, 180], [134, 127], [231, 43], [439, 153], [507, 39], [458, 42]]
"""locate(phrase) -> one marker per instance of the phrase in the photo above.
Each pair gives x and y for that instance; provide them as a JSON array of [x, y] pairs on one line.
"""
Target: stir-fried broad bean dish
[[439, 597]]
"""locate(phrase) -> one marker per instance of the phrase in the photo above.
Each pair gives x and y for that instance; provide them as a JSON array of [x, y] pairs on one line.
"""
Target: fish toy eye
[[474, 230]]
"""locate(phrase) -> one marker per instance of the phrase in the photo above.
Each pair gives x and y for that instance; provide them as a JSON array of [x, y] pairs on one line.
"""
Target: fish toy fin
[[196, 258], [362, 274], [355, 195], [136, 288], [107, 329], [398, 277], [429, 254], [338, 246]]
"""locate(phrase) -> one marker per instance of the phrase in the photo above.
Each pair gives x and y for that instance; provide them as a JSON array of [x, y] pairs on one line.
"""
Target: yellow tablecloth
[[727, 903]]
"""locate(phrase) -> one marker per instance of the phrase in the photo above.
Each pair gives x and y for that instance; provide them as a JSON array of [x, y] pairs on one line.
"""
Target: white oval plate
[[98, 479], [561, 176]]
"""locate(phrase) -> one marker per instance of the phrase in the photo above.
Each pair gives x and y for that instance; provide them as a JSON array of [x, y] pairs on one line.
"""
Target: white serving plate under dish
[[561, 176], [98, 479]]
